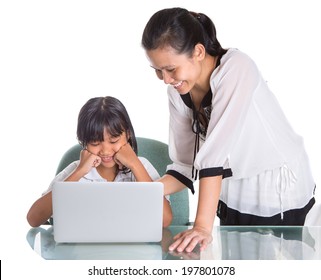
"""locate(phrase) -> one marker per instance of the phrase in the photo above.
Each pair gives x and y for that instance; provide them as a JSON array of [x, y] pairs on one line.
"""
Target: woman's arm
[[171, 184], [209, 193], [201, 233]]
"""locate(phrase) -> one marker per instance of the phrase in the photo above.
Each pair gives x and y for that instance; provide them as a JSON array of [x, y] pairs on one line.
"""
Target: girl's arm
[[171, 185], [127, 157], [167, 213], [86, 163], [142, 175], [40, 211]]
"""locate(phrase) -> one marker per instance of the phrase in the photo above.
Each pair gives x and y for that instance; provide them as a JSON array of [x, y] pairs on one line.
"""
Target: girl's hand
[[126, 156], [187, 240], [88, 160]]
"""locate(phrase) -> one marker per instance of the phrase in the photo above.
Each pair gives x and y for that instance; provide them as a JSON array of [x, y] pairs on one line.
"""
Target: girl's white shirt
[[248, 133], [94, 176]]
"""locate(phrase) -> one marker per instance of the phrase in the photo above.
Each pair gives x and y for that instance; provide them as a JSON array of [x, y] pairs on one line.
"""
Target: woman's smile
[[178, 85]]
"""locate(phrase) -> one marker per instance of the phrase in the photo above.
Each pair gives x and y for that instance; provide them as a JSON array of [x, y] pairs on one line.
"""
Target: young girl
[[109, 154], [227, 129]]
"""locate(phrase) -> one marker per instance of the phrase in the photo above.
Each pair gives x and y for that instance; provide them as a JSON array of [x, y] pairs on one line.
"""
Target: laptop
[[107, 211]]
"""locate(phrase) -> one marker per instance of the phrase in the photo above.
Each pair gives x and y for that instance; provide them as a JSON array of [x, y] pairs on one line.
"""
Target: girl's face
[[107, 148], [179, 70]]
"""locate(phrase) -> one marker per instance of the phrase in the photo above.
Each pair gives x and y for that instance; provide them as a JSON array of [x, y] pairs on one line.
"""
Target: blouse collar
[[207, 100]]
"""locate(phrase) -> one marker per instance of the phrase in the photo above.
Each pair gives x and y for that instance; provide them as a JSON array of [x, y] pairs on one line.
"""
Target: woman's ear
[[199, 52]]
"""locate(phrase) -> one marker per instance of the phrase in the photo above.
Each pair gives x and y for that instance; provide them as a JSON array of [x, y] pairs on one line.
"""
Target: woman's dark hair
[[101, 114], [182, 30]]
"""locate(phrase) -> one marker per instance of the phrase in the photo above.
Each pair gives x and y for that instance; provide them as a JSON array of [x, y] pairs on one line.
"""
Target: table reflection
[[268, 243], [229, 243], [42, 241]]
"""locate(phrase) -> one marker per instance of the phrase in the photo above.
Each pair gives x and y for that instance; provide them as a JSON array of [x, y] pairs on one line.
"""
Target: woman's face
[[107, 148], [179, 70]]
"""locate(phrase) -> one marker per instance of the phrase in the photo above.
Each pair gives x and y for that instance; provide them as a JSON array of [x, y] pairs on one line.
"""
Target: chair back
[[71, 155], [157, 153]]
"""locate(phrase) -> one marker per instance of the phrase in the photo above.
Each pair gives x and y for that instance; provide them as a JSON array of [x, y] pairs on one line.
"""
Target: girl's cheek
[[117, 147]]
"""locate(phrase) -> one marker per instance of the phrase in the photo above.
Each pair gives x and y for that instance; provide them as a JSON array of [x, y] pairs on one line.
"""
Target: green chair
[[157, 153]]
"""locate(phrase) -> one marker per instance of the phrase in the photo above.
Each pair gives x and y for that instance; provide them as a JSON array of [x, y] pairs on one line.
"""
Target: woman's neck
[[202, 87]]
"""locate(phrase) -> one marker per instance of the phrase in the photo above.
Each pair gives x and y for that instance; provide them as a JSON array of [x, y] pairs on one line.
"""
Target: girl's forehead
[[108, 135]]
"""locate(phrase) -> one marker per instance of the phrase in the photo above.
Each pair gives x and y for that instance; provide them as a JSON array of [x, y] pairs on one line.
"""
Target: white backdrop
[[55, 55]]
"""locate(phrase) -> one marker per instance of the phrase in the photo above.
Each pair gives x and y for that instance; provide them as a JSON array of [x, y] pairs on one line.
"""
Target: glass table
[[229, 243]]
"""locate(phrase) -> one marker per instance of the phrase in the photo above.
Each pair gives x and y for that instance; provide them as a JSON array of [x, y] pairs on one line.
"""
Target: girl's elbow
[[32, 221], [167, 220], [167, 223]]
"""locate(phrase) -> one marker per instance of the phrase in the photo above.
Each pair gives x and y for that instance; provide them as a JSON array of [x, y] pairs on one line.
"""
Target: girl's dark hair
[[100, 114], [182, 30]]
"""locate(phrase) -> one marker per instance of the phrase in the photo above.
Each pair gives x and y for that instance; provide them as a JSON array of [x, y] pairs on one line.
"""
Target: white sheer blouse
[[249, 141]]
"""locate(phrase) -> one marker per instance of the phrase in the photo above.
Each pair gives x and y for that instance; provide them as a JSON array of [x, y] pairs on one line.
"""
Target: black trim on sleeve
[[211, 172], [187, 182], [215, 171], [227, 173]]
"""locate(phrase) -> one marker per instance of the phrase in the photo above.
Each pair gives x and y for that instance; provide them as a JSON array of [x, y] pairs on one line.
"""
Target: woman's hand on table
[[189, 239]]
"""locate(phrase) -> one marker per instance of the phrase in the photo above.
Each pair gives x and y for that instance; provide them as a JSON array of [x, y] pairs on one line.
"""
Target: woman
[[227, 129]]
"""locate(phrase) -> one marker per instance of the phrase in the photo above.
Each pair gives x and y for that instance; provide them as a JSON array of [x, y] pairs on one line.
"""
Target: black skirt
[[293, 217]]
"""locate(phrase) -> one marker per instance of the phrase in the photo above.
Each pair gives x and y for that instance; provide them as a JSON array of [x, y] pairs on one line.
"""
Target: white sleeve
[[181, 140], [62, 175], [233, 85], [151, 170]]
